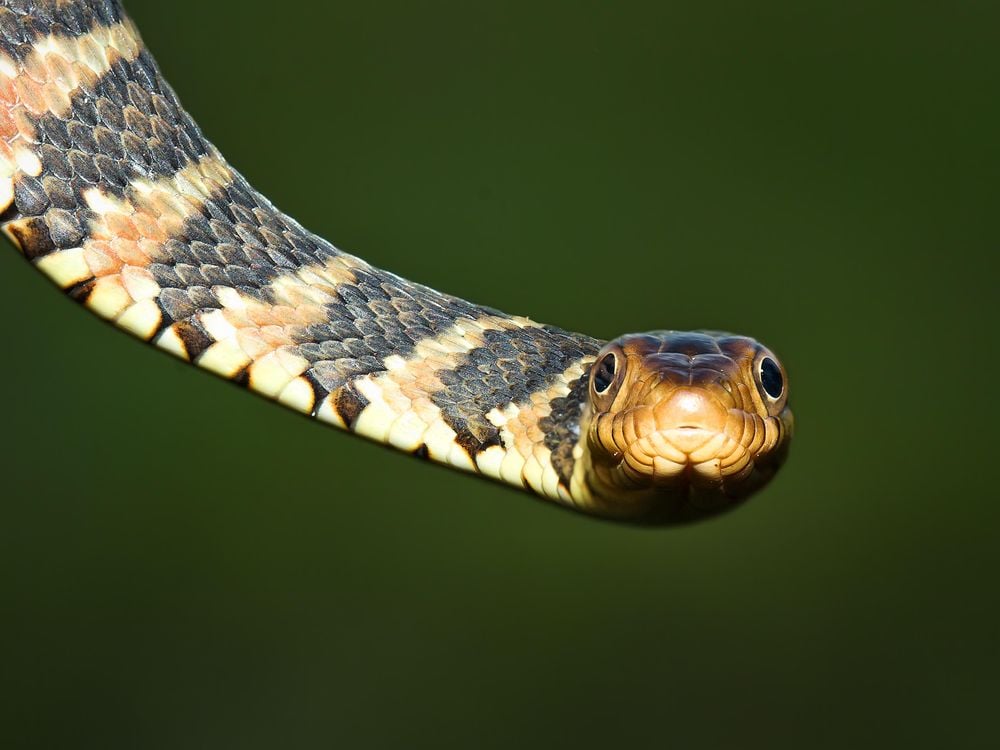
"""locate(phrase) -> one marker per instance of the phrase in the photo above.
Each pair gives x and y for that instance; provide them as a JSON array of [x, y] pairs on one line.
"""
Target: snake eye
[[604, 373], [771, 379]]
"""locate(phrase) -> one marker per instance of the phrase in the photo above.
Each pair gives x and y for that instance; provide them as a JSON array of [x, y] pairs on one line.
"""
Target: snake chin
[[684, 473]]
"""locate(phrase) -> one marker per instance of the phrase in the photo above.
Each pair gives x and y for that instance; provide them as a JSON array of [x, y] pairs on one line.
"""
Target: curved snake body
[[109, 188]]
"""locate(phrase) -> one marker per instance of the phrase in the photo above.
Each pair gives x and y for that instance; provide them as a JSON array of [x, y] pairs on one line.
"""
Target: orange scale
[[283, 315], [317, 311], [441, 361], [129, 252], [25, 124], [33, 66], [139, 283], [397, 401], [30, 94], [158, 202], [121, 226], [99, 231], [173, 201], [523, 445], [404, 376], [260, 315], [83, 75], [8, 94], [56, 99], [293, 297], [185, 205], [91, 53], [59, 71], [151, 249], [149, 226], [307, 317], [171, 226], [124, 41], [252, 343], [207, 182], [237, 319], [275, 337], [215, 170], [309, 313], [101, 259], [422, 403]]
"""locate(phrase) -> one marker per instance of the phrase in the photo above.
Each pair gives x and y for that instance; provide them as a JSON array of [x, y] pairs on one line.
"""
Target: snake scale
[[109, 188]]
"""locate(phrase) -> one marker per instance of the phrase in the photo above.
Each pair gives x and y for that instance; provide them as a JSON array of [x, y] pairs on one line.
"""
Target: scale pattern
[[109, 188]]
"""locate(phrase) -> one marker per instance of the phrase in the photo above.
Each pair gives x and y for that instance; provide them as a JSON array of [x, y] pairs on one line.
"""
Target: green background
[[183, 565]]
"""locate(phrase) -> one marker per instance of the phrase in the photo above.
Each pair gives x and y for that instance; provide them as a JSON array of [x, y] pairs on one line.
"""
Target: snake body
[[110, 189]]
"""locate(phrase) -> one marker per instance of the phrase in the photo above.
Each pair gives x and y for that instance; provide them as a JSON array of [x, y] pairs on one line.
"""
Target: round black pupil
[[770, 378], [605, 373]]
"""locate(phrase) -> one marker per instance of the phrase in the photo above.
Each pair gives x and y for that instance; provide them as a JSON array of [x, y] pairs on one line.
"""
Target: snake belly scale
[[109, 188]]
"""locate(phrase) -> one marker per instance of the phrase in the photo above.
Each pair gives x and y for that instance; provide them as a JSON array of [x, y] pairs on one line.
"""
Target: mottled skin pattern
[[109, 187]]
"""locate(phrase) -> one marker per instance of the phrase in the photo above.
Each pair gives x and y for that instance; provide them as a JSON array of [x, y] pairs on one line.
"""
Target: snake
[[110, 189]]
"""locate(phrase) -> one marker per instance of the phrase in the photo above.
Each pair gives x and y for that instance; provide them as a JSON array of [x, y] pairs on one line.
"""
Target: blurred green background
[[184, 565]]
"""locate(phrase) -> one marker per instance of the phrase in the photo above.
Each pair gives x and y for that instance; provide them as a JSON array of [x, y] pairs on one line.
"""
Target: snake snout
[[689, 433], [690, 408]]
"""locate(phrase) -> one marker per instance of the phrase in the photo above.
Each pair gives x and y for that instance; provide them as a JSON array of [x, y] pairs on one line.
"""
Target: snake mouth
[[693, 441], [686, 454]]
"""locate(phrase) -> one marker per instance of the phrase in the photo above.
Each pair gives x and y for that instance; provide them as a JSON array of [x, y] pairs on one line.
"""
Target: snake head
[[683, 425]]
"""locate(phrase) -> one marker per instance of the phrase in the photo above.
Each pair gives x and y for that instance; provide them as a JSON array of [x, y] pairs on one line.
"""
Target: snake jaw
[[685, 433]]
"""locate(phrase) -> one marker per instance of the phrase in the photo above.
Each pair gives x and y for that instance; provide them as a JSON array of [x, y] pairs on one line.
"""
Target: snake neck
[[109, 188]]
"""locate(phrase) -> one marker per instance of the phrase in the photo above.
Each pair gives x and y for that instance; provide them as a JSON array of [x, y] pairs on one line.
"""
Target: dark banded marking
[[31, 236], [562, 427], [223, 243], [348, 404], [474, 438], [319, 394], [508, 368], [522, 457], [126, 130], [193, 337], [79, 292], [401, 410], [376, 316]]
